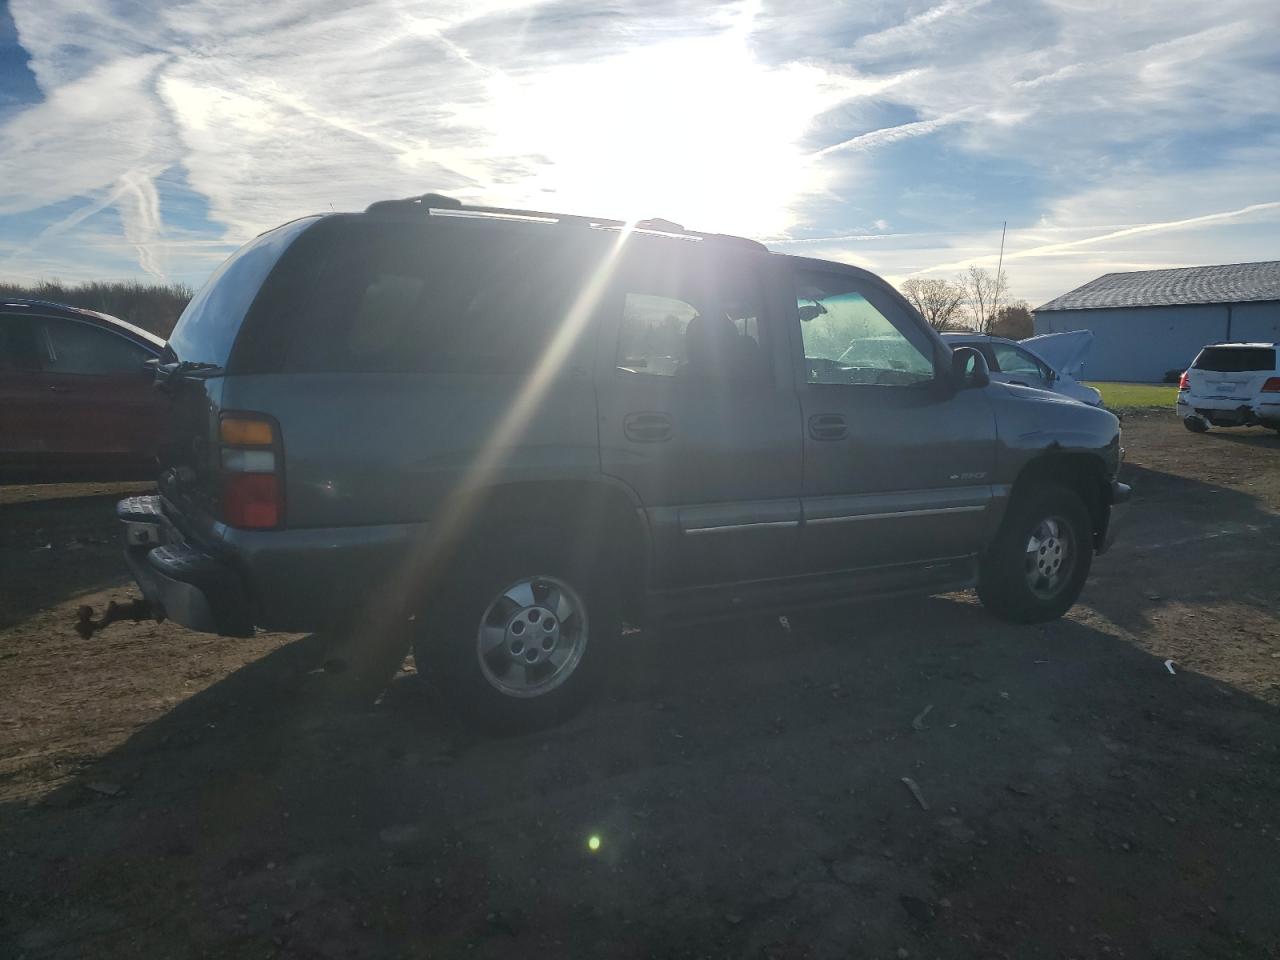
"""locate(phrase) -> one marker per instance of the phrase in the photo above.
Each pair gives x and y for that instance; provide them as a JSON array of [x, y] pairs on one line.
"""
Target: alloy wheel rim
[[532, 636], [1049, 557]]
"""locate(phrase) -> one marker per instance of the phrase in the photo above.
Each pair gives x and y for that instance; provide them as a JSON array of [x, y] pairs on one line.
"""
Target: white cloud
[[932, 26], [708, 115], [886, 135], [84, 137], [272, 115]]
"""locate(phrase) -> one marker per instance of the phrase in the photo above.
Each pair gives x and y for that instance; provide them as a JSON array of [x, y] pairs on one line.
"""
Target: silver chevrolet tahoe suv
[[507, 433]]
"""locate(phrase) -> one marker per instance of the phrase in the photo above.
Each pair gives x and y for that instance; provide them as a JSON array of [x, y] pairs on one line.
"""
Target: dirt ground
[[166, 794]]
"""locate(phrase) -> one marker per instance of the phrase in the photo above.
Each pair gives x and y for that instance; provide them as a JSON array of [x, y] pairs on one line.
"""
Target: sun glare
[[693, 130]]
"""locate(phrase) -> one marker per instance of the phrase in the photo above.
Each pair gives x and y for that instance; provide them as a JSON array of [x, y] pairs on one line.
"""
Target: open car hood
[[1065, 352]]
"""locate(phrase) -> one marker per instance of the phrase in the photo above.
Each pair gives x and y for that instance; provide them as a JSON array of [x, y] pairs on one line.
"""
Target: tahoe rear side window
[[208, 327], [1235, 359], [394, 297]]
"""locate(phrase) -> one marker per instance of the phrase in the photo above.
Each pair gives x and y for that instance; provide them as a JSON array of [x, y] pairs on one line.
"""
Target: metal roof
[[1229, 283]]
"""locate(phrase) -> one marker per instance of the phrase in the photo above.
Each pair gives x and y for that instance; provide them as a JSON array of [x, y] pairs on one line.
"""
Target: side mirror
[[969, 368], [811, 311]]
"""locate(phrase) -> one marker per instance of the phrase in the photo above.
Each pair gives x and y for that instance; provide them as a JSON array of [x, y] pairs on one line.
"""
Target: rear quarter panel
[[369, 449]]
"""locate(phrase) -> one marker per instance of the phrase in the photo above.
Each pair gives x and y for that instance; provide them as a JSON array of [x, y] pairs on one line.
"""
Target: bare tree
[[1014, 321], [983, 291], [938, 300]]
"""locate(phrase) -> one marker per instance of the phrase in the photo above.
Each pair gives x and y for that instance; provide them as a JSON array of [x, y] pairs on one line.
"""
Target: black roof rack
[[449, 205]]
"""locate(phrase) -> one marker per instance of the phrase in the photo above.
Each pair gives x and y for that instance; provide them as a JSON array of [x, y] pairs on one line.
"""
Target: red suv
[[76, 395]]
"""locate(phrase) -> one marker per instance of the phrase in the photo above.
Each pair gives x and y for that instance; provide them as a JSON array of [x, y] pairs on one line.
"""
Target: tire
[[1196, 424], [1019, 583], [544, 619]]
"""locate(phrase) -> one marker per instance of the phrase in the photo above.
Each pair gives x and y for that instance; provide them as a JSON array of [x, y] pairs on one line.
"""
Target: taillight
[[1184, 383], [252, 489], [1272, 385]]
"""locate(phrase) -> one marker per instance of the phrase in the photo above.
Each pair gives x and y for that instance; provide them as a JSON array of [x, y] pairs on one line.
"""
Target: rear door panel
[[27, 417], [107, 409], [712, 452], [28, 407]]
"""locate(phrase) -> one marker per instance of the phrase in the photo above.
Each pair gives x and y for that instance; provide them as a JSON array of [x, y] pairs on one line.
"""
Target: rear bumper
[[1228, 411], [289, 580], [181, 582]]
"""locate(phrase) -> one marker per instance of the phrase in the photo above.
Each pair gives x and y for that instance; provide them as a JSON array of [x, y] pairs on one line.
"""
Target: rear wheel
[[1196, 424], [1037, 566], [515, 641]]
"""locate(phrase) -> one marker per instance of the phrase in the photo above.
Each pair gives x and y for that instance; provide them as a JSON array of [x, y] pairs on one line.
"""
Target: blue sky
[[149, 139]]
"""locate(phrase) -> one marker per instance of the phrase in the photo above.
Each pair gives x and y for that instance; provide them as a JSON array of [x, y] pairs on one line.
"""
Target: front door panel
[[910, 482], [897, 463]]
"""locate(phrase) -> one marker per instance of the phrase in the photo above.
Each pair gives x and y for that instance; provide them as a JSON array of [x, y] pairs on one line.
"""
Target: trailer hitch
[[136, 610]]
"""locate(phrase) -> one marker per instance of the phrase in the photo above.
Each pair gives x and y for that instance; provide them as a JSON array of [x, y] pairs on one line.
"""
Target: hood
[[1065, 352]]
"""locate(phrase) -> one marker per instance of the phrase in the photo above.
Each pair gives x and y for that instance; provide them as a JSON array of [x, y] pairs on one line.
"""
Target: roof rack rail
[[437, 201]]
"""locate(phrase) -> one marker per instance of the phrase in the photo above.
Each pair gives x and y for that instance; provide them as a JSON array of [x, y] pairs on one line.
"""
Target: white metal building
[[1153, 321]]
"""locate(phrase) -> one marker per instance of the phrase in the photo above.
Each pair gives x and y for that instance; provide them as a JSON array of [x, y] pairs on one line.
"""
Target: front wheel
[[516, 640], [1037, 566]]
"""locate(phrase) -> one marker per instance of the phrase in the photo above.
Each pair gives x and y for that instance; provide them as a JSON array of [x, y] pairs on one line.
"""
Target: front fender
[[1043, 437]]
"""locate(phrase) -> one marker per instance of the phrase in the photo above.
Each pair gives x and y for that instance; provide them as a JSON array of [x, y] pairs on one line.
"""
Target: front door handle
[[54, 388], [828, 426], [647, 427]]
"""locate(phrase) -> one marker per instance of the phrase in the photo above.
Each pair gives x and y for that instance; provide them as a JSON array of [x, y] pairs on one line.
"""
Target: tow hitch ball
[[135, 610]]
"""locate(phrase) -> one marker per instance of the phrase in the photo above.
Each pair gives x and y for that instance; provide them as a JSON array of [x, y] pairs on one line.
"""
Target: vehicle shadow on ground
[[1169, 519], [51, 550], [749, 770], [1256, 437]]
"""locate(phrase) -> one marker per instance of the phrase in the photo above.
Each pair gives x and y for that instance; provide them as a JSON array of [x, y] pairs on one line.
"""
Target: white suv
[[1231, 385]]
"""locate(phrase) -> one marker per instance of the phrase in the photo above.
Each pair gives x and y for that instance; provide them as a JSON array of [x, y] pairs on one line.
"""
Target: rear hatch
[[194, 367], [1231, 372]]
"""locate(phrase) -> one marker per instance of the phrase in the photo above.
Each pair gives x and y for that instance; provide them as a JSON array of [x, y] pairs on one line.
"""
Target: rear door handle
[[828, 426], [647, 427], [56, 389]]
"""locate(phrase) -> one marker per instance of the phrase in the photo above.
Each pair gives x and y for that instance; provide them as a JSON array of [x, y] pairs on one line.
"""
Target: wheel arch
[[601, 518], [1083, 473]]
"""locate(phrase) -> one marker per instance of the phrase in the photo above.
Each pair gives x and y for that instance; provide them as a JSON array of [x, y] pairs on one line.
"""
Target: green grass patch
[[1136, 396]]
